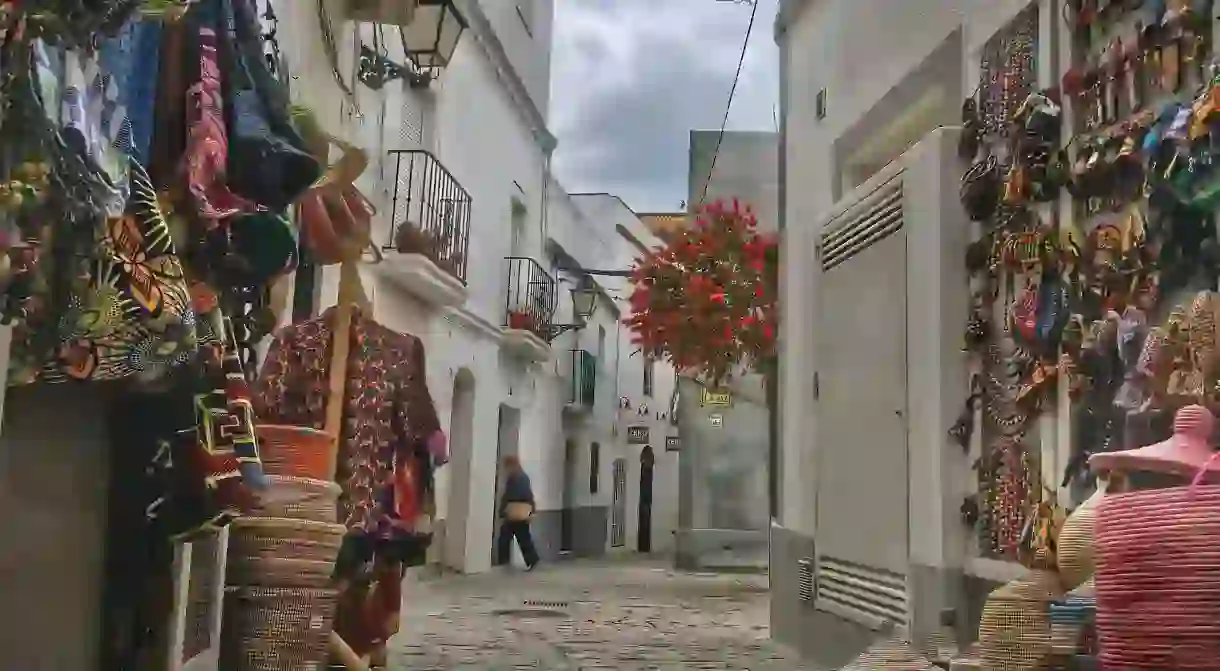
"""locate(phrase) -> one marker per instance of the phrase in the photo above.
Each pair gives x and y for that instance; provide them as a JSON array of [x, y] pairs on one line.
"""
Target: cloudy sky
[[631, 79]]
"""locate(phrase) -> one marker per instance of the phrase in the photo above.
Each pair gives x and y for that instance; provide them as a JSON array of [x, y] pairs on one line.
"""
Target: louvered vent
[[804, 579], [862, 593], [874, 217]]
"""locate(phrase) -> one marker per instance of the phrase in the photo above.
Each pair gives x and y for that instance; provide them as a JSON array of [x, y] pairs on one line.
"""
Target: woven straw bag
[[890, 655], [296, 451], [276, 629], [299, 499], [285, 538], [1158, 579], [1015, 630], [1075, 556]]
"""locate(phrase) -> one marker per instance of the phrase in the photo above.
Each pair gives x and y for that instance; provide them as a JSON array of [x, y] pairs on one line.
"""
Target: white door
[[862, 464]]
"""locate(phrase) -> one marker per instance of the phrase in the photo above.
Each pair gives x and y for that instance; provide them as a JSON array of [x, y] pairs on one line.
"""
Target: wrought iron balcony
[[430, 211], [530, 299], [582, 383]]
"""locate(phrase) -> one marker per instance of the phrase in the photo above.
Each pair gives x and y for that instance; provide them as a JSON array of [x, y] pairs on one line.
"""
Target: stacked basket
[[1158, 579], [279, 602]]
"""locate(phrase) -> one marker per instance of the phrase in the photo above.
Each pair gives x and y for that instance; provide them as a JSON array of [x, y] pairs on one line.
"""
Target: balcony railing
[[430, 212], [582, 390], [531, 297]]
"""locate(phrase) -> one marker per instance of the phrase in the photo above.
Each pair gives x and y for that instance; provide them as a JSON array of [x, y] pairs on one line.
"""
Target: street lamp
[[584, 297], [432, 36]]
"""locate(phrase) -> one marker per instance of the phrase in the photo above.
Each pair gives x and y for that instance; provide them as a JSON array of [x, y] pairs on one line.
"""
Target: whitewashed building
[[874, 296], [462, 155]]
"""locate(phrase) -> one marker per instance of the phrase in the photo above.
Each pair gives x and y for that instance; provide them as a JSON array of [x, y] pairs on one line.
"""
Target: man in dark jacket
[[516, 508]]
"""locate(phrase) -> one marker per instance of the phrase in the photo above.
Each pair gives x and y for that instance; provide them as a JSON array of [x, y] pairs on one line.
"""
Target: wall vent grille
[[861, 593], [875, 217], [804, 579]]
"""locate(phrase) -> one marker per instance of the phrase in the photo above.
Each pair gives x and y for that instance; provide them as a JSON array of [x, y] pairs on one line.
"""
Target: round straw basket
[[1158, 579], [296, 451], [1070, 617], [276, 572], [1015, 630], [892, 655], [299, 499], [1076, 548], [285, 539], [276, 629]]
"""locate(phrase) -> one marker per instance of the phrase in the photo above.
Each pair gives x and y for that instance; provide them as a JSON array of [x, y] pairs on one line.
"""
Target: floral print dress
[[388, 414]]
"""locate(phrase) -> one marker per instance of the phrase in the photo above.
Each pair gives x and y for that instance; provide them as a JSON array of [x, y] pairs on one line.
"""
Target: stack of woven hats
[[279, 602]]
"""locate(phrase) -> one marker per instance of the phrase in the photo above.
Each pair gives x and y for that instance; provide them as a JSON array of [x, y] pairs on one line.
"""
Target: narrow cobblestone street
[[588, 615]]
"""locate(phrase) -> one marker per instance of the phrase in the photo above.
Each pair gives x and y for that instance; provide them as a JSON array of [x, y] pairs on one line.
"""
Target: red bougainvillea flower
[[706, 300]]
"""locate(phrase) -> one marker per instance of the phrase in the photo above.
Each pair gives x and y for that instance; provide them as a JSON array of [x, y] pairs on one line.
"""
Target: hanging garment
[[207, 149], [388, 413], [125, 311]]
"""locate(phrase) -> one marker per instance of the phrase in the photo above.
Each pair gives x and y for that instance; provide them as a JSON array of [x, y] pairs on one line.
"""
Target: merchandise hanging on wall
[[1114, 300]]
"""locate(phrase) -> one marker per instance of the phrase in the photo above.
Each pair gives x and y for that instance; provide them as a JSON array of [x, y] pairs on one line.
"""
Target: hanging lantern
[[433, 33], [384, 12]]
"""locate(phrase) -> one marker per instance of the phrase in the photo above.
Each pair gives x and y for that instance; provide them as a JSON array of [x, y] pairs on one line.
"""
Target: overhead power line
[[745, 43]]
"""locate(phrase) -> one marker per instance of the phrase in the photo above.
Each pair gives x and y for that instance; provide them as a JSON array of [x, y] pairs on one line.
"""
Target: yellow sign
[[715, 398]]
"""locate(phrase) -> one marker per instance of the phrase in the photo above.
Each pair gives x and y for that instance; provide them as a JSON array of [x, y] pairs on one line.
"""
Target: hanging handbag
[[518, 511], [268, 161], [335, 217], [981, 189]]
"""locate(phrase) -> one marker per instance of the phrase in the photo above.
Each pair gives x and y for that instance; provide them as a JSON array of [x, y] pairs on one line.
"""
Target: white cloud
[[631, 78]]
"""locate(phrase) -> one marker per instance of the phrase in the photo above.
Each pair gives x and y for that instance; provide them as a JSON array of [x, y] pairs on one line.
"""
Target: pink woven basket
[[1158, 579]]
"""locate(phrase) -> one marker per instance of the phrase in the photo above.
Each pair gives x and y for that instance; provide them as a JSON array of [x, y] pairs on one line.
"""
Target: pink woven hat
[[1186, 453]]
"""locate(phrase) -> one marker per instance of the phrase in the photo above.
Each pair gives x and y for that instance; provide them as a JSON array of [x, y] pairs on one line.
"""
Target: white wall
[[480, 131], [841, 46]]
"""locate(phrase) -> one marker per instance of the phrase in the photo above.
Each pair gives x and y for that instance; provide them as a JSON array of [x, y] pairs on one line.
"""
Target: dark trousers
[[521, 531]]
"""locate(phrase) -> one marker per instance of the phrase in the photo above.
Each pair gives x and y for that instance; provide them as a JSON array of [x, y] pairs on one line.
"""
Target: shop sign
[[637, 435], [673, 444], [720, 399], [716, 419]]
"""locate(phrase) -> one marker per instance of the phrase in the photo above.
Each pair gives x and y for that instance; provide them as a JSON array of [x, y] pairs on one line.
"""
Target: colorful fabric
[[207, 149], [388, 412], [127, 312]]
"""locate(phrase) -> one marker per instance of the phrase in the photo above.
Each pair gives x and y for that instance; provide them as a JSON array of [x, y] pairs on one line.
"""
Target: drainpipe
[[771, 380]]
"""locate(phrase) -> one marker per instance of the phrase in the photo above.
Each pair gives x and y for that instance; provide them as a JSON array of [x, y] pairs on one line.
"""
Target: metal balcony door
[[862, 462]]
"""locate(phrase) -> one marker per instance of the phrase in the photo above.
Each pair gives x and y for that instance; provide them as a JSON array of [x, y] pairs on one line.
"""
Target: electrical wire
[[729, 106]]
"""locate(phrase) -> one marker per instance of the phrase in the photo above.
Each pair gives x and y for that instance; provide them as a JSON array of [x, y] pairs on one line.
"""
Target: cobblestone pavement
[[588, 615]]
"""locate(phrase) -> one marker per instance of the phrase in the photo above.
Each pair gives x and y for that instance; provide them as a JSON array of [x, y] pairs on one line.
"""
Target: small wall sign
[[637, 435], [720, 399], [673, 444], [716, 419]]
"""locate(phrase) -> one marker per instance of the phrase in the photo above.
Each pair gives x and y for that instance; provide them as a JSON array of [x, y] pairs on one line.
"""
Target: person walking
[[516, 509]]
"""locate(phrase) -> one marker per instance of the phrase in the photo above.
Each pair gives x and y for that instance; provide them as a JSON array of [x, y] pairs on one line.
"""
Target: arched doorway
[[644, 523], [461, 452]]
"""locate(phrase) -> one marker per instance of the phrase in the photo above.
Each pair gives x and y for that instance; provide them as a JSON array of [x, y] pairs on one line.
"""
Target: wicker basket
[[1158, 579], [276, 629], [891, 655], [276, 572], [1070, 617], [299, 499], [1075, 554], [1015, 630], [296, 451], [285, 539]]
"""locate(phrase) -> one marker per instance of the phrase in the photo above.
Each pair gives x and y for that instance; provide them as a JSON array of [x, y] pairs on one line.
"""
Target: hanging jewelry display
[[1017, 315]]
